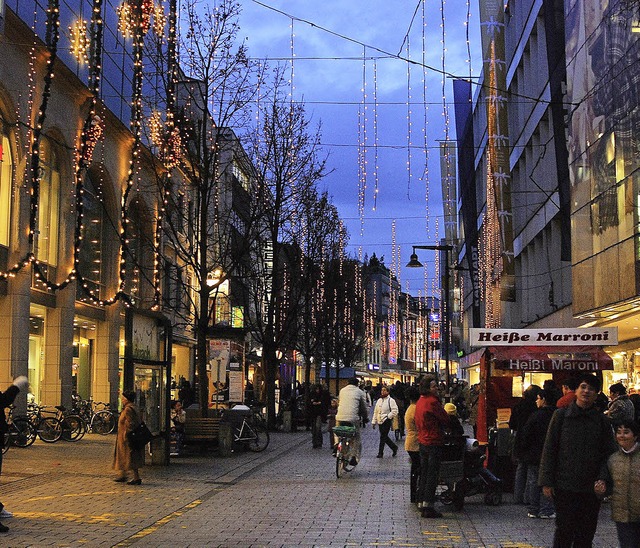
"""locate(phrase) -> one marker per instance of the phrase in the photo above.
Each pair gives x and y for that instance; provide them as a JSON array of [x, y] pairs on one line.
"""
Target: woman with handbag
[[127, 457]]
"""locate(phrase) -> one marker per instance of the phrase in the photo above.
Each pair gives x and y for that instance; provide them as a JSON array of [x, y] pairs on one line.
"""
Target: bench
[[201, 430]]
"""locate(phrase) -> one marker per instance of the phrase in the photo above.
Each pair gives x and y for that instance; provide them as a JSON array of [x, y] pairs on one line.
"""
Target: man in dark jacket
[[519, 416], [532, 436], [431, 419], [6, 399], [578, 443]]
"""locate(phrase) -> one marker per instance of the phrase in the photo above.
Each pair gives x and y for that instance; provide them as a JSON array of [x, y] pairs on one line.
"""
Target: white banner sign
[[587, 336]]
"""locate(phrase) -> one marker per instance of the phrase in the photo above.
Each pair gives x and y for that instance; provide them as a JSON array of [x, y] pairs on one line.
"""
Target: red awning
[[550, 358]]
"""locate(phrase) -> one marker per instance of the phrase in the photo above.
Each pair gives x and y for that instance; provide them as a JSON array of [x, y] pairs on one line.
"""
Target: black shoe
[[379, 456], [3, 528], [135, 482], [430, 512], [121, 479], [353, 461], [395, 451]]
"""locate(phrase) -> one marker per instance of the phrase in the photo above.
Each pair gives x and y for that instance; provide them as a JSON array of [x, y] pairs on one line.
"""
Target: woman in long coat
[[125, 457]]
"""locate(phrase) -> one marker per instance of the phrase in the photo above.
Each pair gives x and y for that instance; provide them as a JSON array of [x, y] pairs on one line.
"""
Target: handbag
[[139, 436]]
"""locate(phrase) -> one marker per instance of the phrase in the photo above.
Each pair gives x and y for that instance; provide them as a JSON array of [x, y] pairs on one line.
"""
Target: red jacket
[[431, 420], [566, 400]]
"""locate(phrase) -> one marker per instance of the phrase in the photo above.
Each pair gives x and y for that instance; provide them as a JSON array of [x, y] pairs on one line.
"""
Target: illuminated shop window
[[47, 223], [6, 176]]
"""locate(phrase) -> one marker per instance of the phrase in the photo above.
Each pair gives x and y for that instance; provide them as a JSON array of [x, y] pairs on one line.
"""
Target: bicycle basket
[[344, 431]]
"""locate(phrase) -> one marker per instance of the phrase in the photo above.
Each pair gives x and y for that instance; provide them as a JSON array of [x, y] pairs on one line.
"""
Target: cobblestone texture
[[62, 495]]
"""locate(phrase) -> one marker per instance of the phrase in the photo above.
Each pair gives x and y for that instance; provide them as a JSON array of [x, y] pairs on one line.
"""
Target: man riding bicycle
[[352, 409]]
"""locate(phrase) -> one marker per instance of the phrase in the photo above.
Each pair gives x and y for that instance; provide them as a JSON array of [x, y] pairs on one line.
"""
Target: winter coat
[[411, 430], [621, 409], [431, 420], [386, 408], [6, 399], [623, 478], [576, 447], [533, 434], [566, 400], [126, 457]]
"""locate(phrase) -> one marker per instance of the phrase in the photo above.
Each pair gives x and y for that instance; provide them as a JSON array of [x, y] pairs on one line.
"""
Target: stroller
[[464, 475]]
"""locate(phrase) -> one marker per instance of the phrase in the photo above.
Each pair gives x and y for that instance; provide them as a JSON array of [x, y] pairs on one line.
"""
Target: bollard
[[286, 421], [225, 439], [158, 451]]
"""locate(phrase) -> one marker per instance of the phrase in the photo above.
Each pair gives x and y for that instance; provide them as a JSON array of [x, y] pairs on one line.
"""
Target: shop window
[[6, 178], [37, 317], [48, 219]]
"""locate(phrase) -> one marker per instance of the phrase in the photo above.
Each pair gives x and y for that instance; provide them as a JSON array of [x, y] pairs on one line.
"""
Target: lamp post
[[415, 263]]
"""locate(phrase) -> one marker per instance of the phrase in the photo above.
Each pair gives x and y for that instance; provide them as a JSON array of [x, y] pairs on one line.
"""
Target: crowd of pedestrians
[[568, 460]]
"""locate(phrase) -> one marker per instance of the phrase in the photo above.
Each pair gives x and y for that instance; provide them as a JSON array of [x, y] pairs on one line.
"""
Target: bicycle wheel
[[50, 429], [103, 423], [339, 465], [260, 439], [25, 432], [73, 428]]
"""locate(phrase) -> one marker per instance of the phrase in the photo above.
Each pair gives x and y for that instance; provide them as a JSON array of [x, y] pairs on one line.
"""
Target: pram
[[463, 474]]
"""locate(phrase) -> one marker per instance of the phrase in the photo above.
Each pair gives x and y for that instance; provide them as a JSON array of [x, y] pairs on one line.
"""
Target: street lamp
[[415, 263]]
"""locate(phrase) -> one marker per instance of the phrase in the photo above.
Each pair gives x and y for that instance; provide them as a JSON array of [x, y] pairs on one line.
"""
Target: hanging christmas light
[[93, 135], [159, 20], [80, 42]]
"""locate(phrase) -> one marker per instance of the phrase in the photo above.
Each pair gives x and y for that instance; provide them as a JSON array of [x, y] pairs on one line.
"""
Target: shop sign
[[550, 359], [587, 336]]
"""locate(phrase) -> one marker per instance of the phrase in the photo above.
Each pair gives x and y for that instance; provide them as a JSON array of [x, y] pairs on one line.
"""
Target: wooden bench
[[199, 430]]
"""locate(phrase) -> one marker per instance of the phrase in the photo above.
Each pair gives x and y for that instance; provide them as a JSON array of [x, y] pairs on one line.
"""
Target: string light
[[409, 128], [80, 42], [376, 167]]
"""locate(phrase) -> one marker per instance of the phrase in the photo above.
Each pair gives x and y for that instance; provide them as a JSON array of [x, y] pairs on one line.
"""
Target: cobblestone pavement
[[63, 495]]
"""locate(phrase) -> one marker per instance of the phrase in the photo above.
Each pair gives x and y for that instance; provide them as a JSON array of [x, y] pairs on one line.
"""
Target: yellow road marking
[[154, 527]]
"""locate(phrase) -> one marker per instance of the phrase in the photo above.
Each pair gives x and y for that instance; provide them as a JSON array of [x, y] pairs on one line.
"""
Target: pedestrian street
[[63, 495]]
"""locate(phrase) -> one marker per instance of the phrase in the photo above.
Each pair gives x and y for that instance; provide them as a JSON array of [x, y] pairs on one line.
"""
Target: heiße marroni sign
[[587, 336]]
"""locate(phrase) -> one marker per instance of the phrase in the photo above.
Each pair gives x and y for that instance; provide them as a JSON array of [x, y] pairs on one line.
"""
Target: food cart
[[513, 354]]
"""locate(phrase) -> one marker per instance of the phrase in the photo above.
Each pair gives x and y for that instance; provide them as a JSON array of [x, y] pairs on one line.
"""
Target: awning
[[550, 358]]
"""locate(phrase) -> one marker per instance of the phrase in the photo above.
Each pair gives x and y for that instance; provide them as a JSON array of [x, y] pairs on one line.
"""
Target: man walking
[[578, 443], [385, 411], [431, 420]]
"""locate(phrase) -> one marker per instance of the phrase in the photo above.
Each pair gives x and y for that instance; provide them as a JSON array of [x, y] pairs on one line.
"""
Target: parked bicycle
[[98, 416], [53, 425], [20, 433], [252, 434], [346, 459]]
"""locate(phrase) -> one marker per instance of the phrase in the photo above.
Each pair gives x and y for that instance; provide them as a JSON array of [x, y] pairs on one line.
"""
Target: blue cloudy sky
[[330, 39]]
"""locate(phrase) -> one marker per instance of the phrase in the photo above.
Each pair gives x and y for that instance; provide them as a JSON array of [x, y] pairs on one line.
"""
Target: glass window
[[91, 252], [47, 222], [6, 177]]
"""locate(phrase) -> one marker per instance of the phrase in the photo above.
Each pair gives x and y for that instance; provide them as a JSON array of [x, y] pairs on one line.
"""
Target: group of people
[[568, 460]]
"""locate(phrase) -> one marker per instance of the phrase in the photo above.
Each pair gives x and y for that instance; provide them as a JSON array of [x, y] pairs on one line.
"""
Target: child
[[455, 427]]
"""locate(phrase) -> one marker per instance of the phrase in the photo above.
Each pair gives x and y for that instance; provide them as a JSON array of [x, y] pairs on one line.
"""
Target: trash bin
[[230, 422], [500, 461]]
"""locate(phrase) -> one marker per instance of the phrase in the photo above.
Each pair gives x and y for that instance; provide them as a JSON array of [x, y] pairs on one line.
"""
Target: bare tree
[[209, 86], [286, 154]]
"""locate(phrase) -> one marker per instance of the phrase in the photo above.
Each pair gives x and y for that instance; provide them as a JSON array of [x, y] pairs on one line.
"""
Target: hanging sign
[[585, 336]]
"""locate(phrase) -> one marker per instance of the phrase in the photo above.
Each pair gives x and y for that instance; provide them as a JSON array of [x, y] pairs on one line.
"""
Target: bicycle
[[98, 416], [346, 459], [62, 424], [252, 434], [49, 429], [20, 433]]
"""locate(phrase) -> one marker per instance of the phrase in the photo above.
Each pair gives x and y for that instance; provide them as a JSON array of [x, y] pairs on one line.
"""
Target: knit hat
[[450, 408]]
